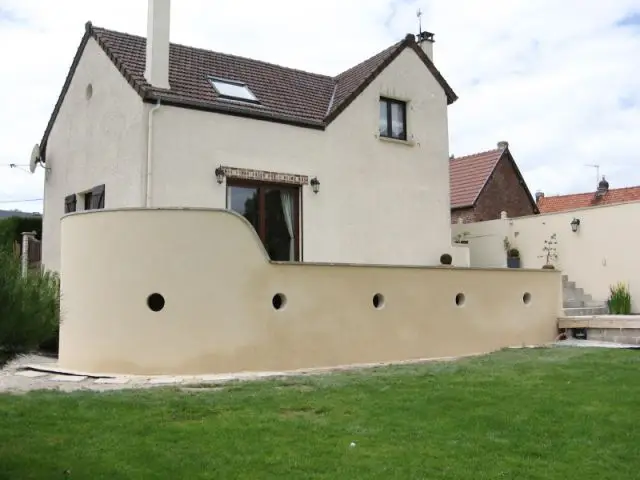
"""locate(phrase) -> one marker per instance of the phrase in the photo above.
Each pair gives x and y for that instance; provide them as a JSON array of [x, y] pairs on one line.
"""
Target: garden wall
[[599, 254], [218, 289]]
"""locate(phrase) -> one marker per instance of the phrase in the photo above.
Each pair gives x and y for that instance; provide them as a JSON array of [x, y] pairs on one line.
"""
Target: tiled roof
[[286, 95], [561, 203], [468, 176]]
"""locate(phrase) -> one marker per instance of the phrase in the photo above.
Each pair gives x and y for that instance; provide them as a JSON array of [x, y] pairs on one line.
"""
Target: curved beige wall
[[218, 286]]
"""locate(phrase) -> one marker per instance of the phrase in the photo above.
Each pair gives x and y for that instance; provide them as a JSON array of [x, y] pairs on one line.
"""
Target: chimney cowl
[[425, 37], [502, 144], [603, 187]]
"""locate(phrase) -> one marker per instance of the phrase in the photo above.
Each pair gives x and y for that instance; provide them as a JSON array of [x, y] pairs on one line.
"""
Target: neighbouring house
[[602, 196], [485, 184], [327, 169]]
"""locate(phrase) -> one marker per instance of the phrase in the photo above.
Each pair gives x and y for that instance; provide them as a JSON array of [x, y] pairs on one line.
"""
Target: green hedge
[[11, 228], [29, 308]]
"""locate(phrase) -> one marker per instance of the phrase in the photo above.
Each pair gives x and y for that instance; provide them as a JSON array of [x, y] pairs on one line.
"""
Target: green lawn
[[562, 413]]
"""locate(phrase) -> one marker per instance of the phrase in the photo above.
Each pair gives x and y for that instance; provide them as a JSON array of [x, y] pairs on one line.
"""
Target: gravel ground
[[16, 377]]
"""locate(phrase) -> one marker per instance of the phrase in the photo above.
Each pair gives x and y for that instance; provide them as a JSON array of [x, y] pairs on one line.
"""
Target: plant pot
[[548, 267], [513, 262]]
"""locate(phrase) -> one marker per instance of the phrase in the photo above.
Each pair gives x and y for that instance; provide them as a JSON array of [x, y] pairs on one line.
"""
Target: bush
[[29, 307], [11, 229], [619, 299], [446, 259], [513, 253]]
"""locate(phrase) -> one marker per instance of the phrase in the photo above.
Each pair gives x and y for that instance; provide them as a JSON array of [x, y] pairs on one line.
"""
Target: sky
[[558, 80]]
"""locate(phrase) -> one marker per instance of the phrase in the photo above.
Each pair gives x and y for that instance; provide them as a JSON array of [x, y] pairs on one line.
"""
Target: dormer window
[[393, 119], [233, 90]]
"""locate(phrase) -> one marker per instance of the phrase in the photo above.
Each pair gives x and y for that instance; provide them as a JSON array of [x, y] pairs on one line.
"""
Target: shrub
[[29, 307], [11, 229], [513, 253], [446, 259], [619, 299]]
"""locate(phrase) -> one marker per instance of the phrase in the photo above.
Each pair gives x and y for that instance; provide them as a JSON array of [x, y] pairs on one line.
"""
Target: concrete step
[[573, 304], [585, 311], [569, 285]]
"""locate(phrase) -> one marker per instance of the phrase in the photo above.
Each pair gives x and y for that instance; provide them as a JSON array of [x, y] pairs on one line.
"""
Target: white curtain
[[287, 207]]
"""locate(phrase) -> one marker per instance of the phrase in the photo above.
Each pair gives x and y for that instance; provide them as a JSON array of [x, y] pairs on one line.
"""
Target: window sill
[[408, 143]]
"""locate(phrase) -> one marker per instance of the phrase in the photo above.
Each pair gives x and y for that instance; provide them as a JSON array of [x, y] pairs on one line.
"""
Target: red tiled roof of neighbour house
[[285, 95], [469, 174], [562, 203]]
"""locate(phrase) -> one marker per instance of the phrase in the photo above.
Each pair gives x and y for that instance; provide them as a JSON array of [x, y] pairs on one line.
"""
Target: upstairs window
[[233, 90], [393, 119], [94, 198]]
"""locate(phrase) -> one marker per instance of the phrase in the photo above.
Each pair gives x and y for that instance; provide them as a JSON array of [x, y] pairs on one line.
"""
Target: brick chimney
[[157, 60], [426, 41], [503, 144], [539, 195]]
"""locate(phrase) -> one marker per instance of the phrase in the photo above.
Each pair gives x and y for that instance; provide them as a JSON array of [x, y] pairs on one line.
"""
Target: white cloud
[[558, 80]]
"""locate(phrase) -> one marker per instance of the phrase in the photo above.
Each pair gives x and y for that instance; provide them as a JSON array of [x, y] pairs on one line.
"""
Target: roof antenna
[[597, 167], [419, 15]]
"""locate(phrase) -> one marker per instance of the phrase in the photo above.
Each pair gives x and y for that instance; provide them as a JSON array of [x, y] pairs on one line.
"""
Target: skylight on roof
[[233, 90]]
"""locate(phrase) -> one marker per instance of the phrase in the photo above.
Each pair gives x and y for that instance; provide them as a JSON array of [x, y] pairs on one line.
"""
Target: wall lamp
[[220, 174], [315, 184], [575, 224]]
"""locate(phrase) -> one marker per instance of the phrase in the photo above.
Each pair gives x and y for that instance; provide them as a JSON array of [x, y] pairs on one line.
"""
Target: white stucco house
[[352, 168]]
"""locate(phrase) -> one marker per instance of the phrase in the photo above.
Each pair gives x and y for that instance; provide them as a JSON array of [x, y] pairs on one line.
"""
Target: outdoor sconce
[[315, 184], [220, 174], [575, 224]]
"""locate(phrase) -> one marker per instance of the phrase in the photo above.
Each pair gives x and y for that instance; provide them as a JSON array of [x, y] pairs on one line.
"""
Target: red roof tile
[[468, 175], [562, 203]]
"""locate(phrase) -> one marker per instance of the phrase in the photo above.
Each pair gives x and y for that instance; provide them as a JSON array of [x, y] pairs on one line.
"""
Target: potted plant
[[513, 258], [461, 238], [446, 259], [513, 254], [549, 252]]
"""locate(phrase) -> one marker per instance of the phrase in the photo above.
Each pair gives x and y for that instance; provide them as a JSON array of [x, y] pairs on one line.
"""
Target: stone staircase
[[575, 302]]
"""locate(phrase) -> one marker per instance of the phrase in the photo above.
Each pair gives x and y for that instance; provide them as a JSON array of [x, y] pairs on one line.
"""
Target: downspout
[[150, 155]]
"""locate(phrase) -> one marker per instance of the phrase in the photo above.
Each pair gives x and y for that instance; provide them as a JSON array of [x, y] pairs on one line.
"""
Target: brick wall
[[503, 192], [467, 215]]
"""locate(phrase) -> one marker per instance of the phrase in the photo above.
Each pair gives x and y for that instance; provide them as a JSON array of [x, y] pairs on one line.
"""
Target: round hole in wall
[[155, 302], [526, 298], [88, 92], [460, 299], [279, 301], [378, 301]]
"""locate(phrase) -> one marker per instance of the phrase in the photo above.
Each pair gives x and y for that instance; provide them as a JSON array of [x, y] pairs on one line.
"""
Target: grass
[[519, 414]]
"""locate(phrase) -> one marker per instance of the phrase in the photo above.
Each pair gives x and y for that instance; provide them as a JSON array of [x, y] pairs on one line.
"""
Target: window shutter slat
[[70, 202], [97, 197]]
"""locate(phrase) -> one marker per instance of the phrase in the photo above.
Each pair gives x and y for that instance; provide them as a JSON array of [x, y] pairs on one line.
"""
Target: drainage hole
[[279, 301], [460, 299], [155, 302], [378, 301]]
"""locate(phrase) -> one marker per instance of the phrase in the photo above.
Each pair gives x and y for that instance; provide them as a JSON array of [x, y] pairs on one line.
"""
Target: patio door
[[274, 212]]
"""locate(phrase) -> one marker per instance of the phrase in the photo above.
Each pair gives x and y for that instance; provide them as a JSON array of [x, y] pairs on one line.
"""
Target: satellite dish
[[35, 158]]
